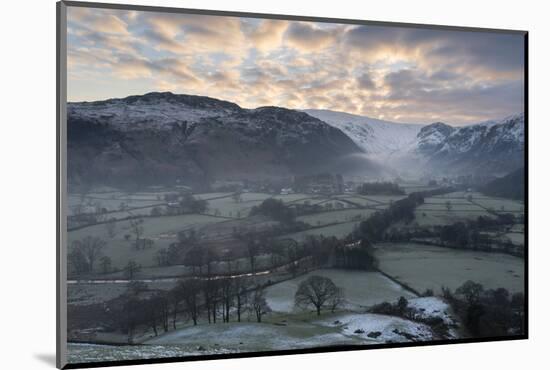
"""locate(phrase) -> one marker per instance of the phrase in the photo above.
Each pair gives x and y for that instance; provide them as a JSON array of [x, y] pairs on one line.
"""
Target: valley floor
[[406, 269]]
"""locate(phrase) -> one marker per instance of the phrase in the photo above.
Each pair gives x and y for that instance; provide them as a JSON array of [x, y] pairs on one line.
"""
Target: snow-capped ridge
[[378, 138]]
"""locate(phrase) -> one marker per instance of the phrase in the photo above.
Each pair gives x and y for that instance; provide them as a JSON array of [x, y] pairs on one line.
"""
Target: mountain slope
[[163, 137], [494, 147], [376, 137], [510, 186]]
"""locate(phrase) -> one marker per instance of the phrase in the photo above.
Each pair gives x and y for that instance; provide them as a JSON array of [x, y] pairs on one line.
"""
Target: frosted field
[[427, 267], [501, 205], [280, 334], [515, 238], [372, 200], [294, 331], [112, 204], [208, 196], [338, 231], [163, 230], [277, 332], [434, 210], [227, 207], [331, 217], [85, 293], [80, 353], [252, 337], [293, 198], [437, 214], [414, 187], [361, 289]]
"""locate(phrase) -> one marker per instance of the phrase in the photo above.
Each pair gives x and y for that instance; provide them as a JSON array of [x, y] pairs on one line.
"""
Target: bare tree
[[192, 289], [77, 209], [227, 297], [252, 250], [177, 295], [259, 304], [337, 300], [237, 197], [110, 226], [210, 289], [194, 258], [137, 229], [162, 258], [241, 296], [319, 292], [91, 248], [471, 291], [131, 269], [105, 263], [132, 308], [76, 261]]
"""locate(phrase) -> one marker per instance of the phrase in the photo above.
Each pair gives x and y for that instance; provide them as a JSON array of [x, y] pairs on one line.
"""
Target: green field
[[162, 230], [428, 267], [501, 205], [331, 217], [339, 231], [110, 204], [361, 289], [432, 215], [515, 238], [435, 212]]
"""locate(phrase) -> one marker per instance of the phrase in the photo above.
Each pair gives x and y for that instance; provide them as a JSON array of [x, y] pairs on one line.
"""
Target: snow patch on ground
[[381, 328], [430, 307]]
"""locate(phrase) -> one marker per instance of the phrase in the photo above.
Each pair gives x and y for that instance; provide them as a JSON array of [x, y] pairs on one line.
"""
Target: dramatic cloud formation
[[393, 73]]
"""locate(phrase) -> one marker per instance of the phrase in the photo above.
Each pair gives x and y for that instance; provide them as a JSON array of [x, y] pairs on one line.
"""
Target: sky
[[408, 75]]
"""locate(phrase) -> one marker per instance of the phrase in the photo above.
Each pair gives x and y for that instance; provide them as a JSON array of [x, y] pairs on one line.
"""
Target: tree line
[[488, 312], [191, 300], [468, 234], [374, 228], [211, 301], [380, 188]]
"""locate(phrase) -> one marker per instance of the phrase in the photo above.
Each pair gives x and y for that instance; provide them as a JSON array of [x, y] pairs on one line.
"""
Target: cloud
[[128, 68], [160, 41], [111, 24], [268, 35], [198, 33], [305, 36], [364, 81], [394, 73]]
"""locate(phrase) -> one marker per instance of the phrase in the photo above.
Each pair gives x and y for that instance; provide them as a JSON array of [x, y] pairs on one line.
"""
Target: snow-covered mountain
[[441, 139], [156, 110], [163, 137], [376, 137], [494, 146], [167, 137]]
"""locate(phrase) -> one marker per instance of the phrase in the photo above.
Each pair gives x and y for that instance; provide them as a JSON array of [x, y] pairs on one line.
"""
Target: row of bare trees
[[191, 300], [214, 300]]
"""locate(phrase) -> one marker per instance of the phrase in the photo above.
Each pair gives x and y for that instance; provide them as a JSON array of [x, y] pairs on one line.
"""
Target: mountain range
[[164, 137], [490, 147]]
